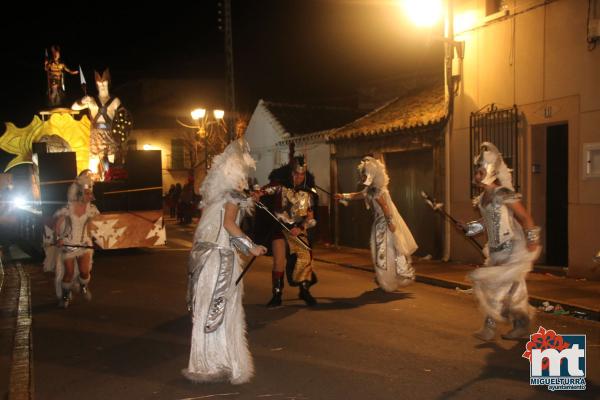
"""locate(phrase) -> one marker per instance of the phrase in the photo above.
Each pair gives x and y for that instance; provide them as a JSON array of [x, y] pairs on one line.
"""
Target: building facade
[[539, 59]]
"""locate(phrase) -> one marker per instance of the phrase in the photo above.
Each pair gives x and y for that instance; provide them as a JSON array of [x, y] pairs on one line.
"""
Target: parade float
[[60, 143]]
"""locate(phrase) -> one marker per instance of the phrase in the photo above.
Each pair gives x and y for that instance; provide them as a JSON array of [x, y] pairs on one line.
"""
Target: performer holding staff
[[71, 254], [513, 246], [392, 242], [219, 349], [291, 201]]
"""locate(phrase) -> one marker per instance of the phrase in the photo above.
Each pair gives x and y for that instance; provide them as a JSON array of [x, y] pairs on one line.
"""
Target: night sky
[[294, 51]]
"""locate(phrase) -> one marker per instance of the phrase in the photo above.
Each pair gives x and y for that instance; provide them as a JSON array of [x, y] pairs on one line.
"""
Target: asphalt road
[[132, 339]]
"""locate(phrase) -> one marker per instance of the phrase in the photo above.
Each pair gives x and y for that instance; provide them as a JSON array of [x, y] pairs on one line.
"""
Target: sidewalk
[[578, 296]]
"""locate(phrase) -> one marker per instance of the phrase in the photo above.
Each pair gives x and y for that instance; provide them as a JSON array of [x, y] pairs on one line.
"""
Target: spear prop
[[343, 202], [82, 81], [439, 207], [76, 245]]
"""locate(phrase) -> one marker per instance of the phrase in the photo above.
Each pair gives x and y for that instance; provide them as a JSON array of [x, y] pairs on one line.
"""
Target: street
[[132, 339]]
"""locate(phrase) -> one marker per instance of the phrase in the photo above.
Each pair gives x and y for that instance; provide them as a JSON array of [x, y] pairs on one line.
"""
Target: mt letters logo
[[556, 361]]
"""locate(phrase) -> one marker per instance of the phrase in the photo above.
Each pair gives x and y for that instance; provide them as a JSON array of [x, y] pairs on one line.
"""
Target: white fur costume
[[219, 349], [73, 231], [391, 252], [500, 286]]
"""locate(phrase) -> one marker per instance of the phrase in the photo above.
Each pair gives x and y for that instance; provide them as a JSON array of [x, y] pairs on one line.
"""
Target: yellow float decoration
[[76, 133]]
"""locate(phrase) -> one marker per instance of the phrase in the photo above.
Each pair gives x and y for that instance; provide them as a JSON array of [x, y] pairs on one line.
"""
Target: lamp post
[[428, 13]]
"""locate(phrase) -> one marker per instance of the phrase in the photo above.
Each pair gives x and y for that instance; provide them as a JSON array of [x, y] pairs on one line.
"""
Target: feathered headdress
[[229, 171], [373, 172], [491, 160], [83, 182]]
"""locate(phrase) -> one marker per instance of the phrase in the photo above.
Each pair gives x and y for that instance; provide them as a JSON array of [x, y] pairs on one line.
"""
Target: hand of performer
[[391, 227], [295, 231], [258, 250], [256, 195], [338, 196], [59, 243], [462, 226]]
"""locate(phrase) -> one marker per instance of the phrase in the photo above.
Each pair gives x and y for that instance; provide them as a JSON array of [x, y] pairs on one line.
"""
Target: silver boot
[[488, 331], [520, 328], [85, 290], [65, 299]]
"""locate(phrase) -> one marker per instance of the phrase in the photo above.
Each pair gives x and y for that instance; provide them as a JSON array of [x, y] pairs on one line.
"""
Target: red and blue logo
[[556, 361]]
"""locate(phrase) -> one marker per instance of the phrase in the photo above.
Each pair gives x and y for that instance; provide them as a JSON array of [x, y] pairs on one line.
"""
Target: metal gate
[[499, 126]]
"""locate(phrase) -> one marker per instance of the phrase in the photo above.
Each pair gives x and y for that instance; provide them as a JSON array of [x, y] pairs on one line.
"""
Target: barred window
[[499, 126]]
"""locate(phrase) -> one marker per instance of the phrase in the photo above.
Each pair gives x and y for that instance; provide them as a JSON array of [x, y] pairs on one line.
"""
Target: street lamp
[[423, 13], [205, 127]]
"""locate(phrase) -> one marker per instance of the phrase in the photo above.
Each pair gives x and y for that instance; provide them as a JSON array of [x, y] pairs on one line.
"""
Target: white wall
[[262, 136]]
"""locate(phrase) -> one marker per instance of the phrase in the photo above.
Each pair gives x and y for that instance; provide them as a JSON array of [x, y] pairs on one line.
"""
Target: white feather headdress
[[491, 160], [82, 182], [229, 171], [374, 172]]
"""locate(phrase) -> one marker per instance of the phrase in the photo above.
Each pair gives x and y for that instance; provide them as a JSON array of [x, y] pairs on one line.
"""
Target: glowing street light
[[423, 13], [198, 113], [204, 123], [219, 114]]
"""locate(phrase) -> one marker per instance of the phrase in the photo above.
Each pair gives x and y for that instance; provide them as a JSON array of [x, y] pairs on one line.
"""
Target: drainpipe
[[334, 219], [448, 58]]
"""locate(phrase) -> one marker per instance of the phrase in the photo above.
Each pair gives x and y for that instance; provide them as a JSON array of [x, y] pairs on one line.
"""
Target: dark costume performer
[[55, 70], [290, 196]]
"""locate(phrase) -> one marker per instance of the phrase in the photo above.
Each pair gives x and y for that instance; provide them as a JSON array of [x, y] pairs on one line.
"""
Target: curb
[[576, 311], [21, 383]]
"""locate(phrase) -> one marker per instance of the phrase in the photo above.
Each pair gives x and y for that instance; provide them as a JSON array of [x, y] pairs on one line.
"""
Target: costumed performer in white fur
[[70, 251], [219, 349], [392, 243], [512, 247]]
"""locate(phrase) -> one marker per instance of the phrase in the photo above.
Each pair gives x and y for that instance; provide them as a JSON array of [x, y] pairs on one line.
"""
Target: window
[[499, 126], [177, 154], [495, 6]]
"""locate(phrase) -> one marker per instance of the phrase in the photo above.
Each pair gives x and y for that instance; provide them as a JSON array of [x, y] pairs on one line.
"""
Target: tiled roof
[[419, 109], [297, 120]]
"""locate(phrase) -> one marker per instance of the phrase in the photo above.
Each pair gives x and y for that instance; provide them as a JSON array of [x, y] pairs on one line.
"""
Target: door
[[410, 173], [549, 191], [557, 197]]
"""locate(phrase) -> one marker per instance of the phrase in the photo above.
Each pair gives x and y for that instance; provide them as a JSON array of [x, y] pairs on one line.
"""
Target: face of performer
[[478, 176], [88, 195], [102, 87], [298, 177]]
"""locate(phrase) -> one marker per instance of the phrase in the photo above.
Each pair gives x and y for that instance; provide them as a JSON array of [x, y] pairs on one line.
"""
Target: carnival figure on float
[[284, 224], [70, 253], [513, 246], [104, 110], [392, 243], [219, 349], [55, 70]]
